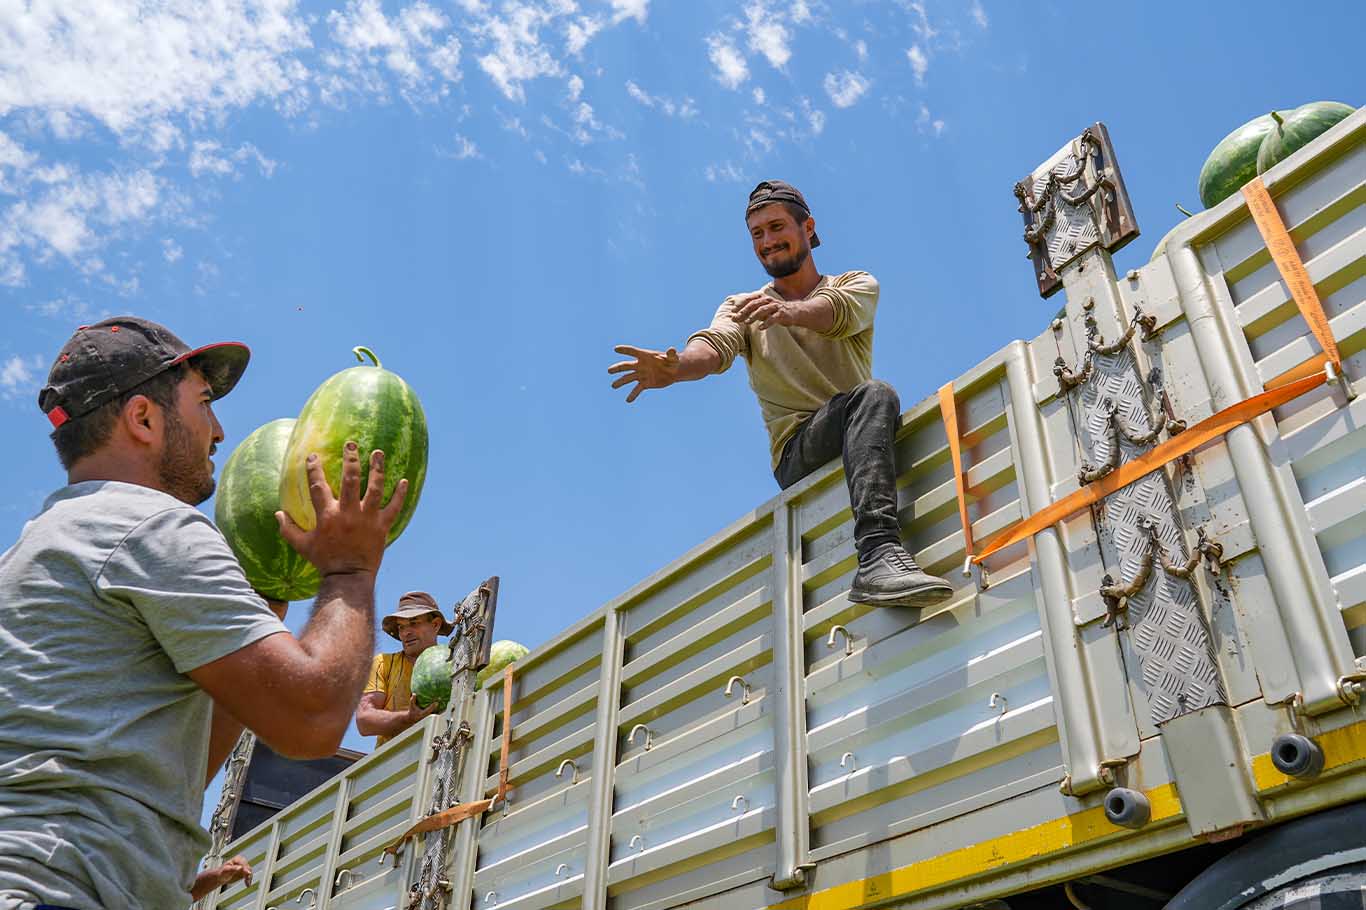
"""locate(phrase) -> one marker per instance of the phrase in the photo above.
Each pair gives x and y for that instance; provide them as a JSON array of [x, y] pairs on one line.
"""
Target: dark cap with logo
[[107, 359], [770, 191]]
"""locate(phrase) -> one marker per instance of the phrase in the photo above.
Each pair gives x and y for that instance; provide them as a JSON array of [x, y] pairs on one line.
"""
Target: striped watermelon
[[244, 509], [378, 410], [1233, 161], [1295, 129], [431, 679]]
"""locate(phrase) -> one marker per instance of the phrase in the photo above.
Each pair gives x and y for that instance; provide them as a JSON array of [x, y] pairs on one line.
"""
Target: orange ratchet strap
[[458, 813], [1289, 385], [1296, 277], [948, 407]]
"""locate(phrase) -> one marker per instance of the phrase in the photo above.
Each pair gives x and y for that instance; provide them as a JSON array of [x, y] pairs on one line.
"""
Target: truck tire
[[1312, 863]]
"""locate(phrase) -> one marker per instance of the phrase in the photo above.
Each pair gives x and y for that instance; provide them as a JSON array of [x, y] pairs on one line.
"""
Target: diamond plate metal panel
[[1073, 228], [1167, 628]]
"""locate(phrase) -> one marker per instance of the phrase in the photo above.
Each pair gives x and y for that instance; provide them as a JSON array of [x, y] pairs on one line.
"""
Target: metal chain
[[431, 890]]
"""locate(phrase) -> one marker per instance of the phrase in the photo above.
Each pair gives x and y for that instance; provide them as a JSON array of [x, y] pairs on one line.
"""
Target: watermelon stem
[[358, 350], [1280, 124], [1180, 208]]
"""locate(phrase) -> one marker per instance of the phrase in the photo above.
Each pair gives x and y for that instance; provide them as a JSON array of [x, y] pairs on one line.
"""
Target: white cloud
[[464, 149], [921, 26], [929, 124], [72, 217], [767, 35], [815, 118], [846, 88], [801, 12], [208, 157], [580, 32], [133, 66], [409, 47], [731, 69], [517, 54], [630, 9], [575, 88], [919, 63], [861, 49], [759, 96], [20, 376], [684, 109], [171, 250], [979, 15], [724, 173]]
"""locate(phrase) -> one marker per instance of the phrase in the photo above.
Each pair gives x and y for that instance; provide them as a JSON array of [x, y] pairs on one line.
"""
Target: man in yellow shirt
[[807, 339], [387, 707]]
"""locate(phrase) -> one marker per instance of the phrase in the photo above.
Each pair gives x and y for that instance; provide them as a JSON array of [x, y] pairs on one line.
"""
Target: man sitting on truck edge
[[387, 707], [135, 649], [808, 342]]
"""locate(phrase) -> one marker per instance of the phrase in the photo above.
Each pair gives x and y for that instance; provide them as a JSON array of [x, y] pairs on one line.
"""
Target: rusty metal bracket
[[1116, 595], [1091, 473]]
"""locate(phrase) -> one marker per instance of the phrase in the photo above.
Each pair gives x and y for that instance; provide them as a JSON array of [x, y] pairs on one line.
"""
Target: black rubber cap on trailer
[[1241, 876]]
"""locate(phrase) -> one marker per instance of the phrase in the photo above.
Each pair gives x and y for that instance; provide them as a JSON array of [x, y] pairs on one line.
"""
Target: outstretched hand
[[352, 529], [648, 369]]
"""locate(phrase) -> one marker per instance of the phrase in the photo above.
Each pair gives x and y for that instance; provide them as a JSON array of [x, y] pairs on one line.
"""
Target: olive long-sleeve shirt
[[793, 370]]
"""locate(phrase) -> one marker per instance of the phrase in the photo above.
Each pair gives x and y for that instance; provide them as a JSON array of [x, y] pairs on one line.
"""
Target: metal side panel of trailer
[[733, 723]]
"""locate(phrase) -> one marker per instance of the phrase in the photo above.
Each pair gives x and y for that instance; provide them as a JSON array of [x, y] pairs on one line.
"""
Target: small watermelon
[[1233, 161], [431, 680], [1295, 129], [244, 509], [378, 410], [501, 654]]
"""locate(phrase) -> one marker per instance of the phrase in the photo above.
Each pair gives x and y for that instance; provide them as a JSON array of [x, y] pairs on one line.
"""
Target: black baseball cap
[[771, 191], [105, 360]]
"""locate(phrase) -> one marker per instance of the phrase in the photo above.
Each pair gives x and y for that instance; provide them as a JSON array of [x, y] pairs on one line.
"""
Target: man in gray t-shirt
[[134, 648]]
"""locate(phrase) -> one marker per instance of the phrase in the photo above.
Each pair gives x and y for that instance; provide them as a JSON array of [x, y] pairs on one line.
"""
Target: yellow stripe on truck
[[1343, 746], [1018, 847]]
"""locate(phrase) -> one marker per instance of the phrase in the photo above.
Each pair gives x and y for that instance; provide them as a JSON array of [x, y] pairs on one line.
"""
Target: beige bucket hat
[[410, 606]]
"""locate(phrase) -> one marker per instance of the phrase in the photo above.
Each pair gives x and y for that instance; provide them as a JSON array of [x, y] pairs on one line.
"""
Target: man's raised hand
[[352, 529], [647, 369], [765, 310]]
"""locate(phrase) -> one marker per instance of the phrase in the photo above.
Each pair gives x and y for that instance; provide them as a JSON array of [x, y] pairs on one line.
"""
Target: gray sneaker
[[889, 577]]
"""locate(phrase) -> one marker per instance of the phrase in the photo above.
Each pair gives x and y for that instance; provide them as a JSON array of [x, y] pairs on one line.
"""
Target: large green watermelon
[[431, 680], [378, 410], [244, 509], [1295, 129], [1233, 161], [501, 654]]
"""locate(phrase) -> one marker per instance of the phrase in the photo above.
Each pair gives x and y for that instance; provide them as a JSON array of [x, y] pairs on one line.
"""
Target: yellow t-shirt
[[391, 674], [794, 371]]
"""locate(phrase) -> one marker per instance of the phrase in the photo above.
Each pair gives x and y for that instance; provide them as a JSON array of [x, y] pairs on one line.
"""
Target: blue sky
[[492, 193]]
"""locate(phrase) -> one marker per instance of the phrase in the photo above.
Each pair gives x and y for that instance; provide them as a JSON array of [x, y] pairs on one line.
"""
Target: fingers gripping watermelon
[[244, 509], [378, 410], [431, 680]]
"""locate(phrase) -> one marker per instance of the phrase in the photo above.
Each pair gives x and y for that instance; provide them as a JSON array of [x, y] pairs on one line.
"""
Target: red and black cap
[[107, 359], [769, 192]]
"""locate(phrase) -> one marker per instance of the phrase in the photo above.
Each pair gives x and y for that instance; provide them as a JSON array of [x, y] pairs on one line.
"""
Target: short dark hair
[[84, 435]]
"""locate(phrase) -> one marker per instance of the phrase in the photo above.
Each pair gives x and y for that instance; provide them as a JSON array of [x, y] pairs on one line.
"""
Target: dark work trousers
[[859, 425]]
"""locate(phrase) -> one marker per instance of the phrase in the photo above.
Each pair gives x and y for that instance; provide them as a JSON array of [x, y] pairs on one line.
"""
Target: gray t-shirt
[[111, 594]]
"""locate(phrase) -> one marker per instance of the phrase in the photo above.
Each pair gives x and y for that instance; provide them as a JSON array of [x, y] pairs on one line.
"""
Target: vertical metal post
[[598, 852], [465, 855], [1305, 602], [1090, 737], [789, 672]]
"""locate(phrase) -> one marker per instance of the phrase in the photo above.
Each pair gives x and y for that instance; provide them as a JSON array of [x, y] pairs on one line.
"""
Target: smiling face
[[781, 243], [191, 434], [417, 633]]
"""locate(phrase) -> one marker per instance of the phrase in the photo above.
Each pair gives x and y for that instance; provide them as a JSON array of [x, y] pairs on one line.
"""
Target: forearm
[[340, 639], [204, 882], [696, 361], [380, 722], [223, 736], [814, 313]]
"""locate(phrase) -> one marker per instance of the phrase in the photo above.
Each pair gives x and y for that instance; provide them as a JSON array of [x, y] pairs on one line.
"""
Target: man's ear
[[142, 420], [810, 227]]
